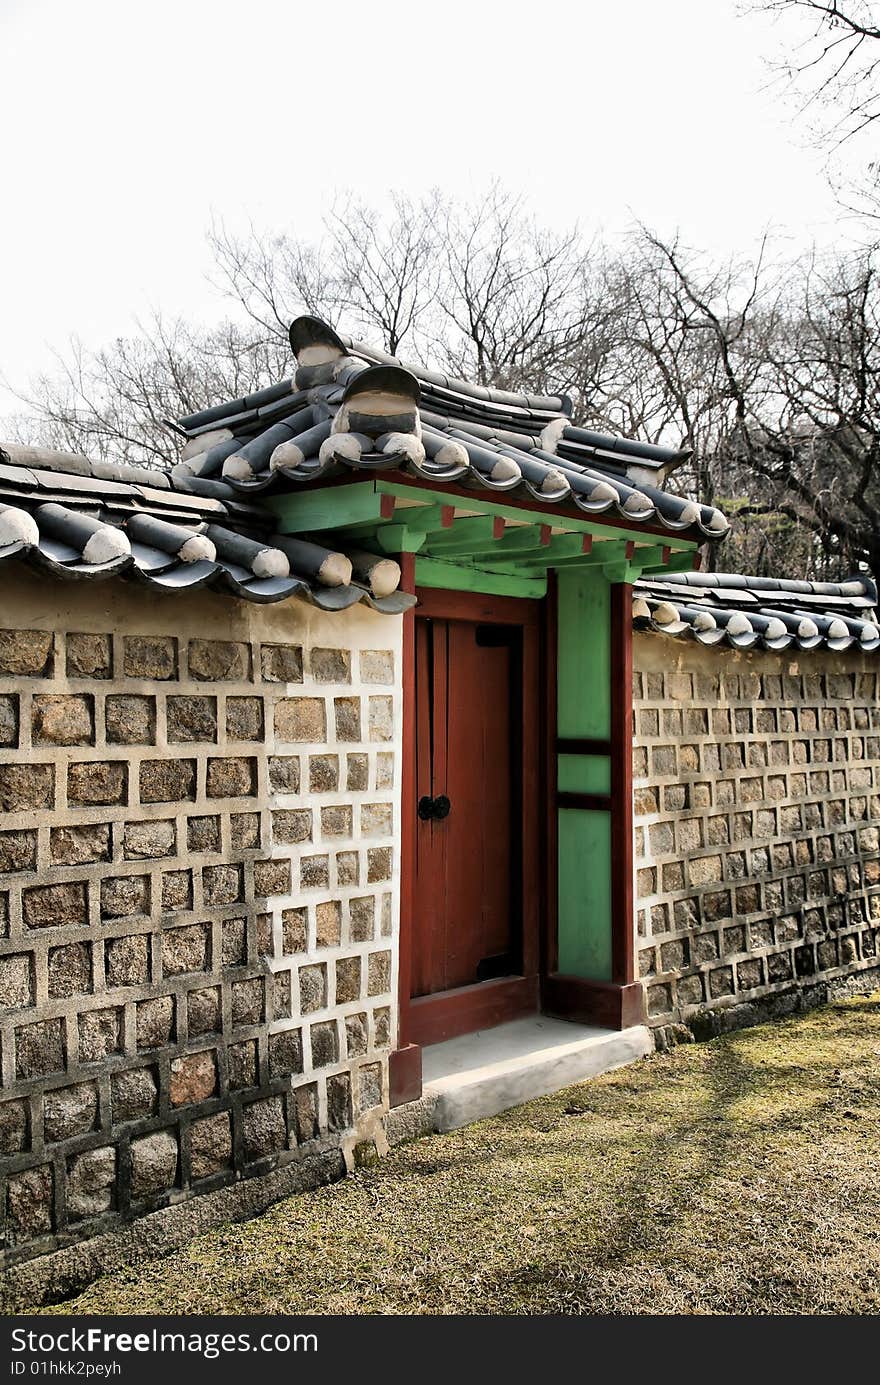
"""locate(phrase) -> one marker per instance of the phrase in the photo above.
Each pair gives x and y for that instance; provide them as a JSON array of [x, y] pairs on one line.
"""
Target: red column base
[[609, 1004], [405, 1074]]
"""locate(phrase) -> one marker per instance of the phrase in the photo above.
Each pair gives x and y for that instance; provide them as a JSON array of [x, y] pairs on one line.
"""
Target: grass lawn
[[739, 1176]]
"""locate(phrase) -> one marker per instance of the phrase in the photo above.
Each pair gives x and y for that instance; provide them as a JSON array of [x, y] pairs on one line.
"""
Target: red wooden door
[[474, 927]]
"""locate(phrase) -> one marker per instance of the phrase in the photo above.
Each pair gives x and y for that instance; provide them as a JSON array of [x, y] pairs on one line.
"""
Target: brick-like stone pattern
[[198, 897], [757, 808]]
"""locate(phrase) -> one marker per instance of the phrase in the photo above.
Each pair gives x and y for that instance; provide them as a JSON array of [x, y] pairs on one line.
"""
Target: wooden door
[[477, 823]]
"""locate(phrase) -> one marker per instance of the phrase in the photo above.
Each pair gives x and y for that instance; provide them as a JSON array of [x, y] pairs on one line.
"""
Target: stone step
[[480, 1074]]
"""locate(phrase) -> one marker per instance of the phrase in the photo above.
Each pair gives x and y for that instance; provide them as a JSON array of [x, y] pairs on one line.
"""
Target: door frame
[[429, 1019]]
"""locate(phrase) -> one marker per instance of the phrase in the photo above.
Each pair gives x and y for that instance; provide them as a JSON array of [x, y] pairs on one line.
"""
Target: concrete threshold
[[480, 1074]]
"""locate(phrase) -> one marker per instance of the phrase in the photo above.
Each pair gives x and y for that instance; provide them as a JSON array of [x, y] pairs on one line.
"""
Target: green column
[[584, 834]]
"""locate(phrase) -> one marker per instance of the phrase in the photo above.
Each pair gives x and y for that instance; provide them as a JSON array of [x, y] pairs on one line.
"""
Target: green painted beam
[[332, 507], [464, 536], [399, 538], [538, 516], [432, 572]]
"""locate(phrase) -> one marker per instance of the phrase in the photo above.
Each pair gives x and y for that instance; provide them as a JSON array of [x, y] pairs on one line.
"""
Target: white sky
[[127, 126]]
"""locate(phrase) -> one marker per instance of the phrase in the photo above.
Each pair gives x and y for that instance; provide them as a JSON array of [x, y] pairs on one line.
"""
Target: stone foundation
[[198, 896], [757, 801]]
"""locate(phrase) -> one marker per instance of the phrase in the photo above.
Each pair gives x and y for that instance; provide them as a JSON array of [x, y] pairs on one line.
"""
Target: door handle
[[435, 809]]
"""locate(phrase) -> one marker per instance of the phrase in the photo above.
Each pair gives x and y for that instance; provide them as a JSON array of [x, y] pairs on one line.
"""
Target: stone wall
[[198, 895], [757, 802]]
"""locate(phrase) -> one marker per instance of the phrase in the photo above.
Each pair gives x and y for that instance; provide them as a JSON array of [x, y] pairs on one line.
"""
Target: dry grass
[[738, 1176]]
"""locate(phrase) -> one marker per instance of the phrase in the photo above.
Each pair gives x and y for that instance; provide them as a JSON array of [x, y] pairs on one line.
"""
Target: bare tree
[[836, 66]]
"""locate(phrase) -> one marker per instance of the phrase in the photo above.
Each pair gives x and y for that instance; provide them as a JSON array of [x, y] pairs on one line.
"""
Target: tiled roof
[[348, 407], [759, 612], [90, 520]]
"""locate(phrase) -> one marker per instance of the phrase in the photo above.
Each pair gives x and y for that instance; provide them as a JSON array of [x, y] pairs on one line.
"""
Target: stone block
[[29, 1204], [153, 1164], [330, 665], [241, 1064], [384, 769], [244, 831], [659, 999], [248, 1001], [271, 878], [130, 719], [234, 942], [263, 1129], [348, 979], [154, 1022], [8, 719], [16, 981], [203, 834], [348, 868], [232, 777], [291, 825], [305, 1101], [185, 949], [91, 1181], [69, 1111], [339, 1115], [284, 774], [54, 906], [70, 970], [89, 656], [312, 988], [23, 787], [244, 718], [63, 719], [100, 1033], [328, 923], [39, 1048], [294, 931], [191, 718], [377, 819], [124, 895], [13, 1127], [78, 846], [285, 1053], [18, 851], [301, 719], [377, 666], [134, 1094], [324, 1040], [382, 1027], [362, 916], [143, 841], [222, 884], [356, 1035], [379, 973], [336, 821], [177, 890], [314, 872], [347, 714], [323, 773], [369, 1082], [167, 781], [281, 663], [96, 783], [203, 1011], [151, 657], [381, 718], [25, 653], [357, 773], [379, 864], [219, 661], [210, 1145], [193, 1078]]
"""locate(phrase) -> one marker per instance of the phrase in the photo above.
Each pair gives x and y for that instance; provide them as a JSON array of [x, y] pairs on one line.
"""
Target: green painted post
[[584, 834]]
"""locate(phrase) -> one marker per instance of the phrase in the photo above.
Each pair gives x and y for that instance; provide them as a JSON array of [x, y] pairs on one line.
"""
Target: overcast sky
[[126, 127]]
